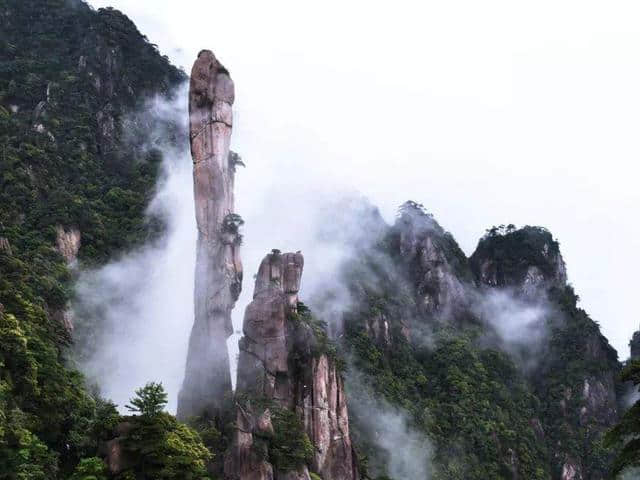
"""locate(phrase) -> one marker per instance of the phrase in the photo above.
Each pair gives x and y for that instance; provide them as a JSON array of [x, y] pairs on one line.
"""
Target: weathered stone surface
[[104, 71], [536, 425], [571, 470], [65, 317], [378, 328], [246, 459], [218, 278], [302, 474], [599, 400], [116, 458], [324, 411], [264, 351], [68, 243], [436, 264], [5, 246], [279, 363], [106, 132]]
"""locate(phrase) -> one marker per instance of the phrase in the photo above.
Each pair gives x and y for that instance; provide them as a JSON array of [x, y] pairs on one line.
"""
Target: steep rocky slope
[[288, 376], [576, 379], [431, 331]]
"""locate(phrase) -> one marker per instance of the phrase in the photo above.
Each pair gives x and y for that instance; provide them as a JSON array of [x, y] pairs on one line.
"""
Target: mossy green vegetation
[[92, 468], [626, 434], [313, 332], [485, 414], [154, 445], [70, 77], [289, 447], [471, 402], [576, 361], [159, 447]]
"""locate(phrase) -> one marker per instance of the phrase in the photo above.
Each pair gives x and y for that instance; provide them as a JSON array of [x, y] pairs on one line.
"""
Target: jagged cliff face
[[436, 265], [218, 278], [419, 334], [285, 364], [68, 244], [263, 367]]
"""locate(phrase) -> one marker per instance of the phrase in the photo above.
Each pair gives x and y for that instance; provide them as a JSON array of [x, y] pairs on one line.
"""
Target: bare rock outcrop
[[112, 450], [218, 278], [379, 329], [68, 243], [5, 246], [285, 365], [571, 470], [437, 266]]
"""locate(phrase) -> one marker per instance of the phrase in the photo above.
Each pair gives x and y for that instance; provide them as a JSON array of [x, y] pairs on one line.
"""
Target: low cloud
[[403, 452], [135, 313], [518, 323]]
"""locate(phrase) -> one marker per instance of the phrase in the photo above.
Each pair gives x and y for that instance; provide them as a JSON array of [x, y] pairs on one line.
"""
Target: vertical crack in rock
[[218, 278], [283, 367]]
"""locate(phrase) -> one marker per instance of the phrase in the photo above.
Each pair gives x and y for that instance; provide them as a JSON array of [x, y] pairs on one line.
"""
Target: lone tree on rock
[[149, 401]]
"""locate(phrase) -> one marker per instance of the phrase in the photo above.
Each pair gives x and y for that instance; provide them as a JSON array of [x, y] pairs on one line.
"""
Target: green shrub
[[290, 447]]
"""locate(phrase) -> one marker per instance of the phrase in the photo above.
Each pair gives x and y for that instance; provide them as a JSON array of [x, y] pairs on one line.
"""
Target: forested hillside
[[490, 357], [76, 176]]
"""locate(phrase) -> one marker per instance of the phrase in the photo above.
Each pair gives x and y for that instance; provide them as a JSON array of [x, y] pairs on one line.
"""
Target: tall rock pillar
[[634, 345], [288, 371], [218, 278]]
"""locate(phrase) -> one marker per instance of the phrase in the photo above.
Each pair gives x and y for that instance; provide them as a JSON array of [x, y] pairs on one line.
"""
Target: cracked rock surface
[[218, 276], [282, 367]]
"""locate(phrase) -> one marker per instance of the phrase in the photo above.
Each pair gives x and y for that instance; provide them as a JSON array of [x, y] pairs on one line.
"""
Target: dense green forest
[[73, 156], [76, 155]]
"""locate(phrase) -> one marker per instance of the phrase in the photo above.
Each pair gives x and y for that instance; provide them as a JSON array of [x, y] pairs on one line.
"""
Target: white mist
[[146, 297]]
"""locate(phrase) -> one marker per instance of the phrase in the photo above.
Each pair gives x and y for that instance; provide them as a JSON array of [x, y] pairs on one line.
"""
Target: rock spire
[[286, 370], [218, 278]]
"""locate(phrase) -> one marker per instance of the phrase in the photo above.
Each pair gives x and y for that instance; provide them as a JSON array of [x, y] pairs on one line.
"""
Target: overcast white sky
[[486, 112]]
